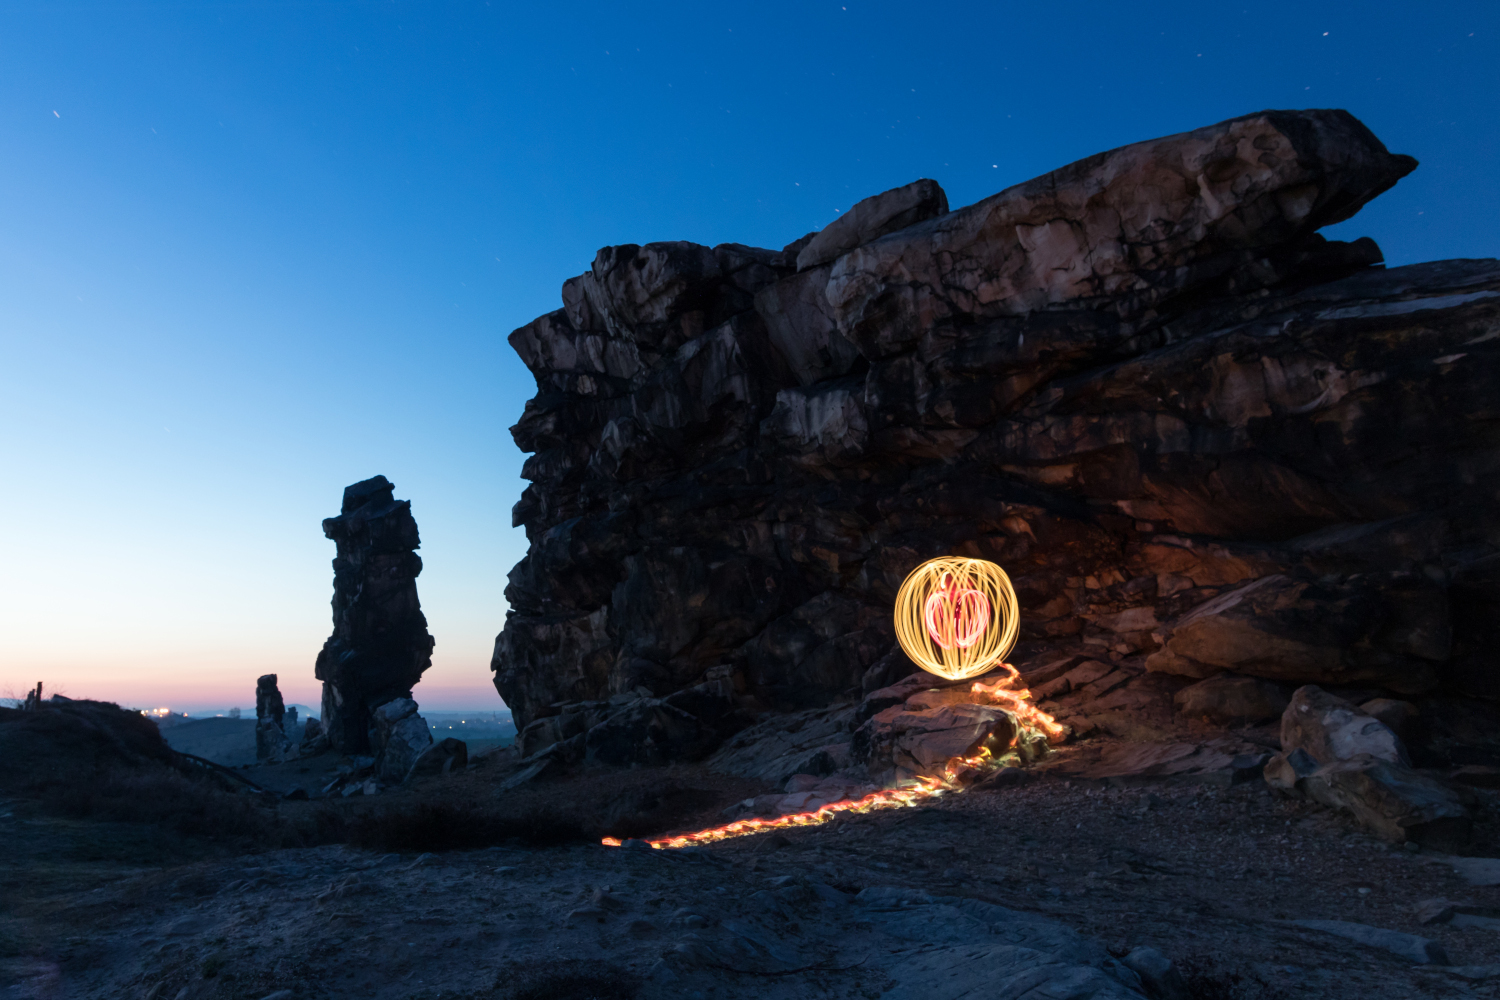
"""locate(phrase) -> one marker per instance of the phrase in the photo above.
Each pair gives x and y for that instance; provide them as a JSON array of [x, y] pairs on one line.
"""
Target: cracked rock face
[[379, 646], [1200, 438], [1346, 759]]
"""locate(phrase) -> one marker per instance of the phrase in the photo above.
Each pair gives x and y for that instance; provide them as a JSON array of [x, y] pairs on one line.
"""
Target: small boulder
[[1395, 802], [1337, 755], [899, 743], [442, 757], [400, 736]]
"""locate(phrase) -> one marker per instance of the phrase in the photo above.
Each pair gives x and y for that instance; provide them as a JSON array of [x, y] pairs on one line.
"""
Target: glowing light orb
[[957, 617]]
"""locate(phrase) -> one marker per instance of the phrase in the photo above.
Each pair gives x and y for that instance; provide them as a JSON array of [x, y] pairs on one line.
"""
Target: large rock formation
[[1201, 438], [380, 644]]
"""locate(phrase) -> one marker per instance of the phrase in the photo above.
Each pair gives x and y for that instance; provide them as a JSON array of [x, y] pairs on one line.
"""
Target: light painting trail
[[957, 617], [1035, 730]]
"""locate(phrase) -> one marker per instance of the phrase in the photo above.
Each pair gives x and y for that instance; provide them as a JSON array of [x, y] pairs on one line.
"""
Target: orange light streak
[[1036, 729]]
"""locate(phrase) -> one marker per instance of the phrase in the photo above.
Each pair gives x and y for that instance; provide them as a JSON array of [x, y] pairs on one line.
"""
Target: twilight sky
[[252, 252]]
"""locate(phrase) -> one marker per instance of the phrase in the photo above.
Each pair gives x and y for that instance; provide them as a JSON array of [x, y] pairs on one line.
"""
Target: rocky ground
[[1058, 879]]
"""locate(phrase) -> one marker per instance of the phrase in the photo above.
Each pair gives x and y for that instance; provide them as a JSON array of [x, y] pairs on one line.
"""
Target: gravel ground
[[1210, 877]]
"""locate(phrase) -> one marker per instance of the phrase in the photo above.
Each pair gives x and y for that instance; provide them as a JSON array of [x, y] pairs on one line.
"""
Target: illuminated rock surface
[[1200, 438]]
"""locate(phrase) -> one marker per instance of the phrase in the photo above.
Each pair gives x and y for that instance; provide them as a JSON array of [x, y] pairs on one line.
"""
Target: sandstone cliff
[[1201, 439]]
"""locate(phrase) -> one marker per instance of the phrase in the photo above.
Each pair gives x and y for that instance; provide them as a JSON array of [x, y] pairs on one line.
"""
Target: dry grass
[[94, 762], [160, 796], [466, 813]]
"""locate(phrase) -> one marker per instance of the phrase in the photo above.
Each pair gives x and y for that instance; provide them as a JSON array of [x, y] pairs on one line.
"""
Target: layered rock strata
[[379, 646], [1202, 439]]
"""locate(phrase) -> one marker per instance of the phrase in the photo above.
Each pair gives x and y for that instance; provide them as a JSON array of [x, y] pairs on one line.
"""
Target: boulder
[[873, 217], [379, 646], [1329, 729], [901, 743], [1345, 759], [443, 757], [398, 737], [1124, 230], [1227, 698], [1392, 801]]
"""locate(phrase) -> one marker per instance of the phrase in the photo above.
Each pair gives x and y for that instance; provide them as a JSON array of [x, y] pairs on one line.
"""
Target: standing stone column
[[379, 646], [270, 714]]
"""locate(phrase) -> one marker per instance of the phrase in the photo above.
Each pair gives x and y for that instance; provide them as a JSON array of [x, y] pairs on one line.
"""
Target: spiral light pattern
[[957, 617]]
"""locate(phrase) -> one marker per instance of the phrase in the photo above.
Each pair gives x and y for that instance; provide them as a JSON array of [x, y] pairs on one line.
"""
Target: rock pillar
[[270, 713], [379, 646]]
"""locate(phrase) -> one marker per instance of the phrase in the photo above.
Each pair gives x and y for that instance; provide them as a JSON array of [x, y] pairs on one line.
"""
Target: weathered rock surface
[[379, 646], [1199, 437], [912, 740], [398, 737], [268, 701], [872, 218], [1226, 698], [443, 757], [1222, 762], [1409, 946], [270, 719], [1336, 754], [1391, 631], [1329, 729]]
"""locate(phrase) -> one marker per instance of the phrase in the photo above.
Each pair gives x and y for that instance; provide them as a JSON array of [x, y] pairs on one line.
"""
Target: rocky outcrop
[[1346, 759], [1201, 439], [379, 646]]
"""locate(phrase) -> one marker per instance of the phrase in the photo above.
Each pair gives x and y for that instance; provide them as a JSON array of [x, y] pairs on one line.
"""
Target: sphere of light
[[957, 617]]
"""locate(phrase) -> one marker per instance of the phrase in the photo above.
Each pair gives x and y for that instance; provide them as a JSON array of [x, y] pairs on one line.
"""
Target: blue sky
[[253, 252]]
